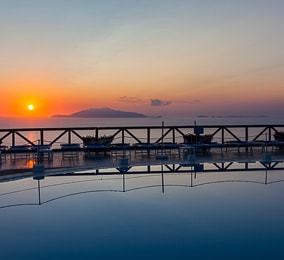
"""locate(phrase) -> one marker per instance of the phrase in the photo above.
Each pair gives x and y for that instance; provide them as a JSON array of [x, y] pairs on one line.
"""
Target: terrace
[[64, 148]]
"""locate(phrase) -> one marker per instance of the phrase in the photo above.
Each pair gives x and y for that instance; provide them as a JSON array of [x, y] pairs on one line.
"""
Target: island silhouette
[[103, 112]]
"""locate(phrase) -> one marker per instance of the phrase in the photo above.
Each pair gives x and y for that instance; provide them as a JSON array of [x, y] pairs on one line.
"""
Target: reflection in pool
[[161, 215]]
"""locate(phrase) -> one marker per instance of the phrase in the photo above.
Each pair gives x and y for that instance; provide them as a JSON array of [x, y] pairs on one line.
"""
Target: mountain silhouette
[[104, 112]]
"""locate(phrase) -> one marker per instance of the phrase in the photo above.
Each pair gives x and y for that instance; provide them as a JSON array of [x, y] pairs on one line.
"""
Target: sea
[[6, 123], [183, 215]]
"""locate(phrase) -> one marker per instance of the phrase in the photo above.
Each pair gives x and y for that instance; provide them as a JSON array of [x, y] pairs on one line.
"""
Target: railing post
[[122, 135], [246, 137], [41, 137], [69, 136], [13, 138], [148, 135]]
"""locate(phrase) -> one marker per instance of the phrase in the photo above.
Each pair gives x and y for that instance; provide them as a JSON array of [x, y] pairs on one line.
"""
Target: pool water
[[236, 215]]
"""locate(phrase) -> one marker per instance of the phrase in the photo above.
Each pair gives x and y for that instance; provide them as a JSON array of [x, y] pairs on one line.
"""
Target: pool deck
[[73, 160]]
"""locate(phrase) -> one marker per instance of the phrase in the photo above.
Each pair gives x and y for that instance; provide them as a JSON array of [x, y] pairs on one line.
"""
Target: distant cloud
[[127, 99], [190, 101], [156, 102], [159, 102]]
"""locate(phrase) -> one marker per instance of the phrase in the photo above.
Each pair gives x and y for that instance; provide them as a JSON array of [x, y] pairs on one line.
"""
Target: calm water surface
[[101, 122], [216, 216]]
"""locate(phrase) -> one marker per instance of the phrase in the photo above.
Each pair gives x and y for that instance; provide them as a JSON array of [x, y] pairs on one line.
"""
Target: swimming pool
[[159, 215]]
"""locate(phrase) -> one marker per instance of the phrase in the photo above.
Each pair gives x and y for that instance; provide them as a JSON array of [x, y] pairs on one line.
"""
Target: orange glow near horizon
[[60, 97], [27, 106], [43, 104], [44, 100]]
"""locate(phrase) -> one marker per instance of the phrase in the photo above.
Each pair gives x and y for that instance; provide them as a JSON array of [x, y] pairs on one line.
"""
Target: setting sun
[[25, 105], [31, 107]]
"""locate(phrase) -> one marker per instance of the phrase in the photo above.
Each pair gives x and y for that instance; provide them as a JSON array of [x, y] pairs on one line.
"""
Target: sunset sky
[[157, 57]]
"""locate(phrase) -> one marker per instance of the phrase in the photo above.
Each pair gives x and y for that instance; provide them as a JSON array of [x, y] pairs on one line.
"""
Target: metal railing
[[136, 134]]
